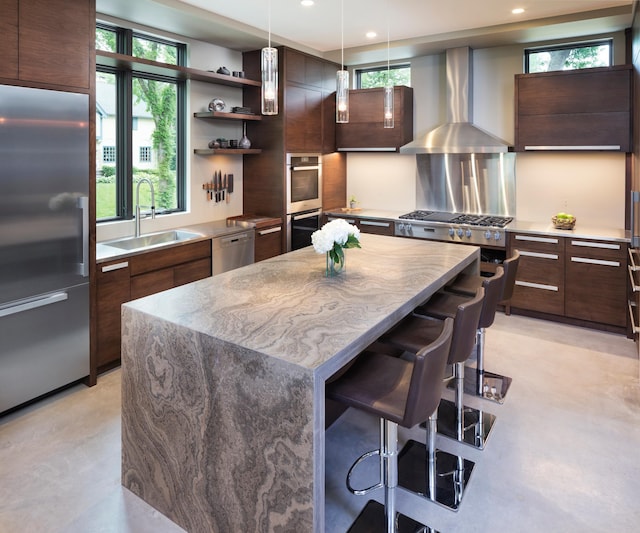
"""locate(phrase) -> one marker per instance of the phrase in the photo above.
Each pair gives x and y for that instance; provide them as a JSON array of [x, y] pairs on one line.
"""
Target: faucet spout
[[152, 212]]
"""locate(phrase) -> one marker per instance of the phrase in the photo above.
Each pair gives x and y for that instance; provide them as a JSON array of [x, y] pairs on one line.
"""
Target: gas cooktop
[[458, 218]]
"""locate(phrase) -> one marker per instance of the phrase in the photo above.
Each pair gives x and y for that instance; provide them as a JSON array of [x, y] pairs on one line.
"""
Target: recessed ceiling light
[[371, 34], [307, 3], [517, 10]]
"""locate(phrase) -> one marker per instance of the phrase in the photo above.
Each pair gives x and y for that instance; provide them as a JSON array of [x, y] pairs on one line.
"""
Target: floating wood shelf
[[226, 116], [226, 151]]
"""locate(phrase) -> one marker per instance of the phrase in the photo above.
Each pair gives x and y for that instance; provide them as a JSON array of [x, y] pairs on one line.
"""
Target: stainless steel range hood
[[458, 135]]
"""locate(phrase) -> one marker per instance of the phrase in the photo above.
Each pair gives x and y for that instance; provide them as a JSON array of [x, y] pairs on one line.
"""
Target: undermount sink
[[153, 239]]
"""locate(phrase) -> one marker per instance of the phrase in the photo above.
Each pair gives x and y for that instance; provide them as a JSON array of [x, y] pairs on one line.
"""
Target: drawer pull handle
[[349, 220], [537, 286], [632, 315], [595, 261], [587, 244], [115, 266], [536, 239], [571, 147], [634, 285], [374, 223], [633, 252], [270, 230], [539, 255]]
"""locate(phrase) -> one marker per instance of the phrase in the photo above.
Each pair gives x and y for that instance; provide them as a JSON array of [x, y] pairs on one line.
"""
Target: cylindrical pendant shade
[[388, 107], [342, 96], [269, 81]]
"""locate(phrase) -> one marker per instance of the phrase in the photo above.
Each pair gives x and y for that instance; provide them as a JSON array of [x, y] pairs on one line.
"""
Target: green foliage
[[569, 58], [379, 78], [106, 40], [108, 171]]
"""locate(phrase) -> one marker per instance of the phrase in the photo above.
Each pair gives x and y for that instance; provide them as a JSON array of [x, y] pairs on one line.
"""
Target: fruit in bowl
[[563, 221]]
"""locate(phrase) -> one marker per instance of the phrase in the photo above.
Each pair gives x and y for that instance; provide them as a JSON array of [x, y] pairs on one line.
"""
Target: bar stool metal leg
[[487, 385]]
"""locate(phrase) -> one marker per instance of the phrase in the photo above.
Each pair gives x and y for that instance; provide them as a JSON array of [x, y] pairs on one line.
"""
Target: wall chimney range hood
[[458, 135]]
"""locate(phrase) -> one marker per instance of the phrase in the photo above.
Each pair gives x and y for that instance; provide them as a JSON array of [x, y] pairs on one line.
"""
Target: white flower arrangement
[[333, 237]]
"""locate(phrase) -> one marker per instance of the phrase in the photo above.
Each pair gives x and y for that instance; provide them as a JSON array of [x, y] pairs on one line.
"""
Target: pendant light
[[269, 66], [342, 79], [388, 89]]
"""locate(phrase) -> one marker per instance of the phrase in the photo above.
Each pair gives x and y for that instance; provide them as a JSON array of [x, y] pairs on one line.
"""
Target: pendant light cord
[[269, 21], [388, 70], [342, 34]]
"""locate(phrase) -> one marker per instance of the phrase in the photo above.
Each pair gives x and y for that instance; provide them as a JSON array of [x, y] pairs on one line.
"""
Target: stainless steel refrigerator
[[44, 242]]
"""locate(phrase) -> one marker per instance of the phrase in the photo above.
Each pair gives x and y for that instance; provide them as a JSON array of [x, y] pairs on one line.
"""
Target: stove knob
[[409, 228], [401, 227], [496, 236], [487, 234], [460, 232], [452, 232], [468, 233]]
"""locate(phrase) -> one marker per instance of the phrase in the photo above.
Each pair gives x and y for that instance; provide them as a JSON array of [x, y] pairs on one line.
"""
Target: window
[[377, 77], [109, 154], [145, 154], [569, 56], [142, 119]]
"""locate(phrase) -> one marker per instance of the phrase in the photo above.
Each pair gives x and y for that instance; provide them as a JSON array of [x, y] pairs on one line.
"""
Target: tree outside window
[[379, 76], [569, 57]]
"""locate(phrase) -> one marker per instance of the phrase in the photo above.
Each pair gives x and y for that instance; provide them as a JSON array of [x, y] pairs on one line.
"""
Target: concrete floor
[[564, 454]]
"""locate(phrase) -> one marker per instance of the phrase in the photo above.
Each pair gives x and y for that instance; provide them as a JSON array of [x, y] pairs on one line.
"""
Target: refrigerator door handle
[[83, 266], [34, 303]]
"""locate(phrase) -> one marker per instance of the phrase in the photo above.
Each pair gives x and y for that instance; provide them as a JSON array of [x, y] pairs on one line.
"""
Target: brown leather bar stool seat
[[488, 385], [452, 472], [401, 392]]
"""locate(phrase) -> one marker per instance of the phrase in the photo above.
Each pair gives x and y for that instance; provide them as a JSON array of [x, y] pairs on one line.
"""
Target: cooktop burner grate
[[418, 215]]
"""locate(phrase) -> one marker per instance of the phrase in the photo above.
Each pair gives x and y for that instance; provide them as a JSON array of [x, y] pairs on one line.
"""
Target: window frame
[[359, 71], [566, 46], [124, 124]]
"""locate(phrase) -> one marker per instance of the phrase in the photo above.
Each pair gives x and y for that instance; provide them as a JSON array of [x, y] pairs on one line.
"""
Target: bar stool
[[401, 392], [455, 420], [488, 385], [452, 471]]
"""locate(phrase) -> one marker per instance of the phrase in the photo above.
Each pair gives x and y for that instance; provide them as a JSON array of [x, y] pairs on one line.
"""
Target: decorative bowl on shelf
[[561, 221]]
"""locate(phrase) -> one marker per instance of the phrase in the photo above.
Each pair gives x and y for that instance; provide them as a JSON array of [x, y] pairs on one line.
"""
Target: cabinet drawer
[[268, 243], [152, 282], [169, 257], [193, 271], [545, 298], [536, 243], [378, 227], [596, 250]]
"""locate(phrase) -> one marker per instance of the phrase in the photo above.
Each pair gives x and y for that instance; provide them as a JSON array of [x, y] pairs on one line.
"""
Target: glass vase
[[333, 268]]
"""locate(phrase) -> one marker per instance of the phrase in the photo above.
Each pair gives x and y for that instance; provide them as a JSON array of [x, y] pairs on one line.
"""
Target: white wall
[[590, 185], [200, 169]]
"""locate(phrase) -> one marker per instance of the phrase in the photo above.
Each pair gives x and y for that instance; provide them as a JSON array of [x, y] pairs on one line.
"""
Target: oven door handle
[[295, 169], [305, 215]]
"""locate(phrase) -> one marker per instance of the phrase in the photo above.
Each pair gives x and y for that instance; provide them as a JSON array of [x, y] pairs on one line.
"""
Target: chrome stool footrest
[[485, 385], [362, 492]]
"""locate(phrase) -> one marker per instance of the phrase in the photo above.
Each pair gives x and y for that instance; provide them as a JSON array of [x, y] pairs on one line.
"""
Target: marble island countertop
[[223, 407]]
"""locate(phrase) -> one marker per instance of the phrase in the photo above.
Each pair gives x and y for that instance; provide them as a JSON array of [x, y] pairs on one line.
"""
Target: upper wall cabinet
[[48, 42], [365, 130], [587, 109]]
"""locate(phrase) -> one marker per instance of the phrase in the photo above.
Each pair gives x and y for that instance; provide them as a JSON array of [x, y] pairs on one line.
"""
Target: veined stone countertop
[[223, 379]]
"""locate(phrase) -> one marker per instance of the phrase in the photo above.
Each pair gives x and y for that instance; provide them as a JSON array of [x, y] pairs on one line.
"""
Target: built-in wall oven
[[304, 198]]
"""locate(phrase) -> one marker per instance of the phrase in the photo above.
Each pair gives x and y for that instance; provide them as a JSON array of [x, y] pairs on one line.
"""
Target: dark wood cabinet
[[112, 290], [365, 129], [268, 242], [303, 119], [9, 39], [123, 280], [578, 109], [596, 281], [55, 41], [539, 282]]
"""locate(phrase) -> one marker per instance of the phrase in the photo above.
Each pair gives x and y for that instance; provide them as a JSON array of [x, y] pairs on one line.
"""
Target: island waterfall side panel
[[194, 410]]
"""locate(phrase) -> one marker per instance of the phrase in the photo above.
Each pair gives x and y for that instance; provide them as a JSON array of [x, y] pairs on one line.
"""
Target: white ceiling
[[416, 27]]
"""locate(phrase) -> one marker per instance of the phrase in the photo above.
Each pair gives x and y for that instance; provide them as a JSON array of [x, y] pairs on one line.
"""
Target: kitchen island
[[223, 379]]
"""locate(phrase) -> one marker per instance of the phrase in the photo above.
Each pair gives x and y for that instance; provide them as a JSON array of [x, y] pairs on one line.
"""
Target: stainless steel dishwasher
[[232, 251]]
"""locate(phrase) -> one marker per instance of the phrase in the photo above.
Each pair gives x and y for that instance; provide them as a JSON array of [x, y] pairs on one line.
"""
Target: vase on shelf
[[333, 268], [244, 143]]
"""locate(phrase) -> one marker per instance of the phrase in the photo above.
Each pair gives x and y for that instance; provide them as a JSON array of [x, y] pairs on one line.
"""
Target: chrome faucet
[[153, 204]]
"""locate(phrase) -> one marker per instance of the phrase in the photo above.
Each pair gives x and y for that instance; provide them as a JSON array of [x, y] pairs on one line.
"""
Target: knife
[[215, 185], [224, 185], [229, 186]]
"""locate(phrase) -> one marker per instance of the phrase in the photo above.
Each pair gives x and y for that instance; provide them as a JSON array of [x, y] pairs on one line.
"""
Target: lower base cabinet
[[268, 242], [126, 279], [581, 279]]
